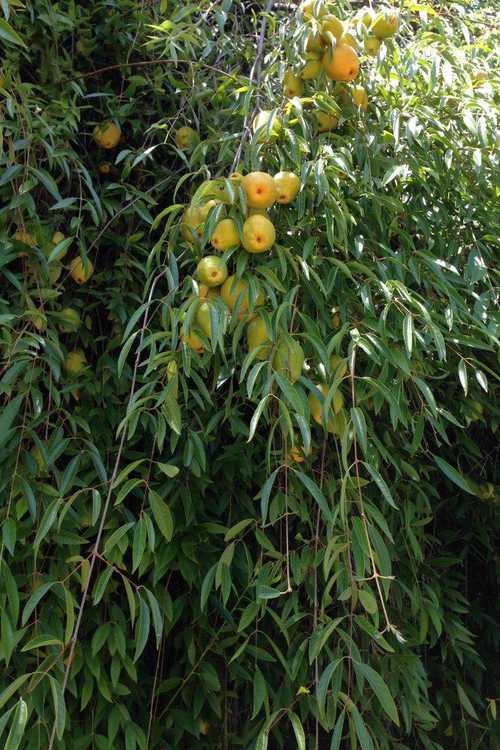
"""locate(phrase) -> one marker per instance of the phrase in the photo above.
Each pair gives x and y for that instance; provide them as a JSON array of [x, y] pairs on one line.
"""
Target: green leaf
[[168, 469], [116, 536], [464, 700], [207, 586], [315, 491], [34, 599], [142, 628], [358, 420], [13, 688], [238, 528], [298, 731], [337, 732], [259, 692], [324, 683], [361, 730], [162, 515], [41, 640], [408, 333], [380, 689], [59, 706], [256, 416], [428, 395], [384, 489], [9, 35], [454, 475], [17, 727], [265, 493], [368, 601]]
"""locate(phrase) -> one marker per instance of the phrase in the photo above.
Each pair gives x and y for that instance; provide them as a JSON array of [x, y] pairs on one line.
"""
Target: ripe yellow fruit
[[262, 120], [211, 271], [386, 25], [57, 237], [308, 7], [289, 359], [193, 220], [260, 190], [25, 237], [206, 292], [338, 365], [234, 292], [287, 186], [203, 318], [332, 24], [259, 234], [75, 362], [292, 84], [366, 17], [312, 69], [105, 167], [193, 341], [70, 321], [372, 45], [225, 235], [257, 336], [80, 270], [107, 135], [186, 137], [350, 40], [297, 455], [315, 406], [360, 98], [203, 727], [325, 121], [341, 63]]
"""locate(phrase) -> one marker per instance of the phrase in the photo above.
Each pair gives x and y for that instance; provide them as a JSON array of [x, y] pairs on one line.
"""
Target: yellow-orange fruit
[[360, 98], [325, 121], [107, 135], [341, 63], [193, 341], [372, 45], [211, 271], [312, 69], [259, 234], [75, 362], [257, 336], [386, 25], [81, 269], [315, 406], [225, 235], [332, 24], [234, 291], [186, 137], [292, 84], [260, 190], [287, 186]]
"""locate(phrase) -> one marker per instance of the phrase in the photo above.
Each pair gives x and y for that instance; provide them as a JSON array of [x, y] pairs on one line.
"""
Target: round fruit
[[211, 271], [338, 365], [341, 63], [203, 727], [289, 359], [186, 138], [259, 234], [333, 424], [308, 7], [193, 341], [234, 292], [292, 84], [205, 292], [80, 270], [325, 121], [105, 167], [372, 45], [40, 322], [366, 17], [203, 318], [297, 455], [360, 98], [386, 25], [287, 186], [261, 120], [314, 43], [333, 25], [260, 190], [336, 321], [350, 40], [107, 134], [257, 336], [75, 362], [192, 223], [57, 237], [312, 69], [225, 235], [70, 320]]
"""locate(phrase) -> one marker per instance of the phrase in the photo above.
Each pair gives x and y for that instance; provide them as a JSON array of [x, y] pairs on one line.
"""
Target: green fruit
[[289, 359], [70, 320], [203, 318], [211, 271], [257, 336]]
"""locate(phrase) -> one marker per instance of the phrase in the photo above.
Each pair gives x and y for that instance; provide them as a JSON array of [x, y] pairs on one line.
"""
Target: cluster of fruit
[[332, 47]]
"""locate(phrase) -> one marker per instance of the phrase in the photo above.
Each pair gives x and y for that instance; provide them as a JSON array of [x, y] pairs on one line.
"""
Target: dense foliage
[[187, 554]]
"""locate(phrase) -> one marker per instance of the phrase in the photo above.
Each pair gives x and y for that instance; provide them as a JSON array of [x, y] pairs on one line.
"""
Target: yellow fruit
[[350, 40], [260, 190], [333, 25], [107, 135], [105, 167], [236, 177], [40, 322], [257, 212], [334, 423], [211, 271], [57, 237], [234, 292], [25, 237], [287, 186], [193, 341], [261, 122], [292, 84], [360, 98], [205, 292], [341, 63], [297, 455], [338, 365], [336, 321], [259, 234], [203, 727], [289, 359], [225, 235], [386, 25], [203, 318], [372, 45], [55, 270], [366, 17], [192, 223], [186, 138], [70, 320], [315, 43], [312, 69], [75, 362], [80, 270], [325, 121], [257, 336], [308, 8]]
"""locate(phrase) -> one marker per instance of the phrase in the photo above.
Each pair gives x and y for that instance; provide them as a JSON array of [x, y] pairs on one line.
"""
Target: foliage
[[171, 573]]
